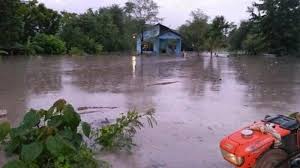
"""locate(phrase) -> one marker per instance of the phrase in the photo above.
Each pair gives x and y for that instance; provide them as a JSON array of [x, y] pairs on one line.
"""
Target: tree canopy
[[27, 26]]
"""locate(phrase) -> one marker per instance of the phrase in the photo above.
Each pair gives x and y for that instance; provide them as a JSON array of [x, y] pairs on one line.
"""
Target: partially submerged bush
[[54, 138], [49, 44], [76, 51], [120, 135], [48, 138]]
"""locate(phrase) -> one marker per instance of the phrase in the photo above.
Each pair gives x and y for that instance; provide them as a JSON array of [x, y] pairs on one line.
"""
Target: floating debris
[[89, 108], [3, 113], [163, 83], [89, 112], [106, 121]]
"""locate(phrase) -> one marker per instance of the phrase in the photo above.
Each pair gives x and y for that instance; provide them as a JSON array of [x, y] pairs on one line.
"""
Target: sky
[[174, 12]]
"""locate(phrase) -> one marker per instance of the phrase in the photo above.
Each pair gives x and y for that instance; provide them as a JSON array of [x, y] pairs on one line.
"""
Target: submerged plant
[[120, 135], [48, 138], [54, 138]]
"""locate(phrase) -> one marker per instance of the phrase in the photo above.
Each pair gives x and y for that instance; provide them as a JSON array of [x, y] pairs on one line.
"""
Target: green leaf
[[12, 146], [4, 130], [55, 121], [86, 128], [71, 117], [31, 152], [15, 164], [31, 119], [59, 147], [59, 105]]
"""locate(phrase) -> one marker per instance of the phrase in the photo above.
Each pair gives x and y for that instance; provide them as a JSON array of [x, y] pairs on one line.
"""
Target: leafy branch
[[54, 138]]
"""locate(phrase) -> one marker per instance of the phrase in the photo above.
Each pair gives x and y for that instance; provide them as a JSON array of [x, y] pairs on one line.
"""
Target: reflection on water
[[198, 100], [133, 66]]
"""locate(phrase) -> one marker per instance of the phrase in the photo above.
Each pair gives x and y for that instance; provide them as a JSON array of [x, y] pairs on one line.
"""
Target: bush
[[49, 44], [54, 138], [120, 135], [90, 46], [76, 51], [48, 138]]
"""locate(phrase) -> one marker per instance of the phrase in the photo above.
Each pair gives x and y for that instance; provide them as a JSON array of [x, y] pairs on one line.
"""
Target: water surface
[[197, 100]]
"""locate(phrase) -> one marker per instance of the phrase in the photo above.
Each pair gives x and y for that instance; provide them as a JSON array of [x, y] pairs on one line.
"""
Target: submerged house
[[160, 39]]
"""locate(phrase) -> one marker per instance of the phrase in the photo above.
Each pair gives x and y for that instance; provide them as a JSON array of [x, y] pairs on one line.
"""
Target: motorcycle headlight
[[232, 158]]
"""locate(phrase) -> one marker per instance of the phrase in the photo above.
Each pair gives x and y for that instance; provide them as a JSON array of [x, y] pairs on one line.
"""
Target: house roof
[[157, 31], [164, 29]]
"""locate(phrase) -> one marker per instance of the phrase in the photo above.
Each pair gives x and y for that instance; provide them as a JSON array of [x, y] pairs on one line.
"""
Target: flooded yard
[[198, 100]]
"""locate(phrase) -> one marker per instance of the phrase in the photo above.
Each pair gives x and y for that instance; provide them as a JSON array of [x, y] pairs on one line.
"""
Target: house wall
[[139, 46], [159, 41], [169, 35]]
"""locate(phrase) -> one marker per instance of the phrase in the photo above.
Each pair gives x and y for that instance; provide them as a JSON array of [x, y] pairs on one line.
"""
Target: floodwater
[[198, 100]]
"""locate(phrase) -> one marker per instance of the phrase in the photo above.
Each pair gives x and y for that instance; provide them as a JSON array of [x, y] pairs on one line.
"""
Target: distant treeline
[[28, 27], [273, 28]]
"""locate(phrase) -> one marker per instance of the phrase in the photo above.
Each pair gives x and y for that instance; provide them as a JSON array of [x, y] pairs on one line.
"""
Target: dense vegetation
[[199, 35], [31, 28], [273, 27], [28, 27], [57, 138]]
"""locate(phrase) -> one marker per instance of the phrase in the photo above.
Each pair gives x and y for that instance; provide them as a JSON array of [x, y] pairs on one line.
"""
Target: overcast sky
[[174, 12]]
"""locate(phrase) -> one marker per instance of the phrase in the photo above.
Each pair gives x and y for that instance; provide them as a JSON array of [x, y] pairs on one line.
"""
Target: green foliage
[[15, 164], [38, 19], [76, 51], [86, 128], [216, 36], [194, 32], [143, 10], [54, 138], [4, 130], [278, 22], [238, 35], [30, 28], [11, 24], [31, 151], [49, 44], [44, 137], [199, 35], [253, 44], [119, 135], [31, 48]]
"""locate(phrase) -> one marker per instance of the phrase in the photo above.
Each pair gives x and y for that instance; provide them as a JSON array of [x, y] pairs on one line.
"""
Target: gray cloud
[[174, 12]]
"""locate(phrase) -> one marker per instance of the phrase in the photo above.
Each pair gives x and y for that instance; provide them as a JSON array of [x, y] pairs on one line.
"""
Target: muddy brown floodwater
[[197, 100]]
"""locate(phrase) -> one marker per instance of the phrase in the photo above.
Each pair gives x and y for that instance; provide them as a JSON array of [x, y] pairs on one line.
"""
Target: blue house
[[159, 39]]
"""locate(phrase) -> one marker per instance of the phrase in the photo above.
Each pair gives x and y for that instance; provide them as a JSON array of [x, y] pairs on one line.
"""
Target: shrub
[[90, 46], [50, 44], [120, 135], [48, 138], [54, 138], [76, 51]]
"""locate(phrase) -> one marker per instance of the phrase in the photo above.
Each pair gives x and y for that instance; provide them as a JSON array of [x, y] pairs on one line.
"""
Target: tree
[[218, 31], [145, 12], [247, 38], [10, 24], [38, 19], [238, 35], [49, 44], [194, 31], [279, 23]]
